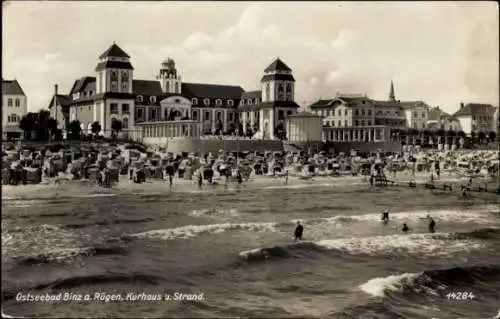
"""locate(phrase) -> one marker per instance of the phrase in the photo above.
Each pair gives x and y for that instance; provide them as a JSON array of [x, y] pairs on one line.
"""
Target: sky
[[442, 53]]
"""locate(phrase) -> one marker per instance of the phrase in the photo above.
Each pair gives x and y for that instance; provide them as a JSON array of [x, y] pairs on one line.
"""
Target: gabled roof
[[384, 103], [411, 104], [62, 100], [320, 103], [473, 108], [200, 90], [11, 87], [114, 51], [82, 84], [277, 65]]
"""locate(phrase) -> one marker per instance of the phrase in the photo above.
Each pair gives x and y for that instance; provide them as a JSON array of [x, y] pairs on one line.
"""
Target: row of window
[[346, 123], [482, 118], [194, 101], [339, 112], [250, 101], [195, 115], [16, 101], [114, 108], [415, 115], [13, 118]]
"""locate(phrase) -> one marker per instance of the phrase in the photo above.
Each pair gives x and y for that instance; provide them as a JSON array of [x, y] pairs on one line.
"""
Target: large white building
[[14, 107], [113, 93]]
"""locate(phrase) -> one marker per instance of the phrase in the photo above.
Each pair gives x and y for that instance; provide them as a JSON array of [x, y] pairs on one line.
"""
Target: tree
[[75, 130], [481, 136], [492, 135], [38, 125], [116, 127], [473, 137], [95, 128], [231, 128], [28, 125]]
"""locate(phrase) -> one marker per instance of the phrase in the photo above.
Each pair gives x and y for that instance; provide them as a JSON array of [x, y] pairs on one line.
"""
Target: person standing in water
[[432, 223], [405, 228], [385, 216], [299, 230]]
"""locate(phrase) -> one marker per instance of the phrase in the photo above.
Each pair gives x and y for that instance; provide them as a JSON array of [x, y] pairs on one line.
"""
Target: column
[[225, 120], [213, 120], [244, 121]]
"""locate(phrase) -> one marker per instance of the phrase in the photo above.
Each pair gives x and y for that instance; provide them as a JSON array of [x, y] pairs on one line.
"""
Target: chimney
[[461, 105], [55, 89]]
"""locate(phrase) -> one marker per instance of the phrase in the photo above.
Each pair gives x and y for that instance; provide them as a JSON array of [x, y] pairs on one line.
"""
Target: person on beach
[[385, 216], [200, 179], [286, 176], [299, 230]]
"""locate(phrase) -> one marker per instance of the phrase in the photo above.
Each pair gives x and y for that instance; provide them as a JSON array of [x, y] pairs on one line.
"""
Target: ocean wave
[[422, 245], [232, 212], [191, 231], [69, 254], [108, 222], [49, 197], [433, 282]]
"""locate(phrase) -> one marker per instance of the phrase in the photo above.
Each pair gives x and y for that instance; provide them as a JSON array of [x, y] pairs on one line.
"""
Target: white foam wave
[[378, 286], [191, 231], [478, 214], [437, 244], [215, 212]]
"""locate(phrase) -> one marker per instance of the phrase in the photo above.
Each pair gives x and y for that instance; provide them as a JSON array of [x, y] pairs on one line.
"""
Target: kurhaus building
[[170, 107]]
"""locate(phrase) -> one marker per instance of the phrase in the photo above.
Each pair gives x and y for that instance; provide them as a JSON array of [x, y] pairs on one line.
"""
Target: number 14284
[[460, 295]]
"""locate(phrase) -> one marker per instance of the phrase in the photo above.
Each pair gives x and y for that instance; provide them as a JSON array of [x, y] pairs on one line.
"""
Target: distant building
[[14, 107], [496, 120], [304, 127], [113, 93], [476, 117], [440, 120]]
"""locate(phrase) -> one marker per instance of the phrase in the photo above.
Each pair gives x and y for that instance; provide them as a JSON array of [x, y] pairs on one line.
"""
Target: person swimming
[[299, 230], [385, 216], [405, 228], [432, 223]]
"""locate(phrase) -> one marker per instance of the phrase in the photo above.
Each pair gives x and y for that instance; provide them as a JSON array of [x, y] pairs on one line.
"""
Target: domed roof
[[168, 63]]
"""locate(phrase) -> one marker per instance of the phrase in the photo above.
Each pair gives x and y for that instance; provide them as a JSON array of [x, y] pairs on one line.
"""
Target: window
[[231, 116], [369, 112], [362, 123], [249, 101], [140, 114], [256, 101], [125, 123], [194, 101], [357, 123], [194, 115], [124, 85], [18, 102], [113, 108], [281, 114], [345, 112], [289, 92], [91, 93], [346, 123], [177, 101], [152, 99], [230, 102], [114, 86], [124, 76], [177, 88], [289, 113], [242, 102], [218, 102], [114, 76], [12, 118], [152, 114], [281, 91], [125, 109], [333, 123], [139, 98], [206, 116], [340, 123], [268, 92], [356, 112], [415, 114], [363, 112], [9, 102], [167, 87], [206, 101], [368, 123], [339, 113]]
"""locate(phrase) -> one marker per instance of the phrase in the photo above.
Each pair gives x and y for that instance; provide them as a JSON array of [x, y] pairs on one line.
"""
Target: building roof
[[411, 104], [62, 100], [114, 51], [251, 95], [277, 65], [473, 108], [114, 65], [147, 87], [277, 77], [385, 103], [320, 104], [436, 114], [200, 90], [82, 84], [11, 87], [304, 114]]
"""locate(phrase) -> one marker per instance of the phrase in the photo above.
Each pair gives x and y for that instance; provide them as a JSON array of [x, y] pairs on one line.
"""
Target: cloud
[[442, 53]]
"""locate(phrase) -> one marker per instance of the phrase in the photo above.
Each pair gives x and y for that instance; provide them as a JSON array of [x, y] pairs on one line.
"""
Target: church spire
[[392, 96]]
